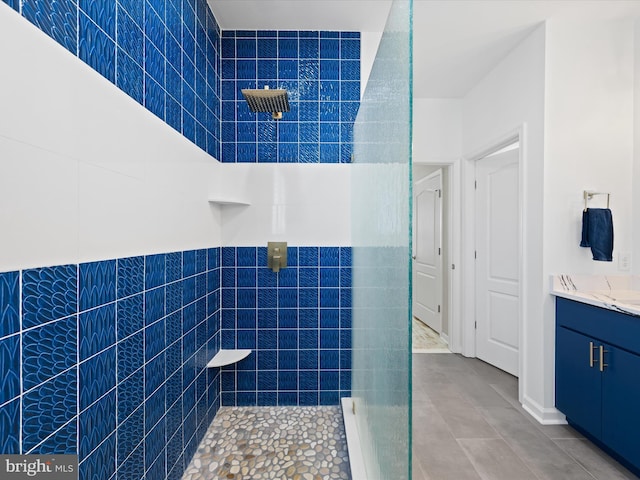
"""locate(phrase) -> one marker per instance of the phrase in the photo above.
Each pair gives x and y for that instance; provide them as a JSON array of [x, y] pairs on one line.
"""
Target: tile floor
[[467, 424], [254, 443], [426, 340]]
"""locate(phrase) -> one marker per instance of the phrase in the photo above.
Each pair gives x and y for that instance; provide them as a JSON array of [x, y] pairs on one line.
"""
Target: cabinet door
[[620, 403], [577, 384]]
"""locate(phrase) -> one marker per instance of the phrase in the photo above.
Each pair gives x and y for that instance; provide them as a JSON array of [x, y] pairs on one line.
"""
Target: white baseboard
[[356, 459], [545, 416]]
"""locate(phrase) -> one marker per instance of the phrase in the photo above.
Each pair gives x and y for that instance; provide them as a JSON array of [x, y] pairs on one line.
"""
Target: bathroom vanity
[[598, 364]]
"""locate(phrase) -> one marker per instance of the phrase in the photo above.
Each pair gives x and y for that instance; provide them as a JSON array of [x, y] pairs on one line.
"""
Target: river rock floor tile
[[283, 443]]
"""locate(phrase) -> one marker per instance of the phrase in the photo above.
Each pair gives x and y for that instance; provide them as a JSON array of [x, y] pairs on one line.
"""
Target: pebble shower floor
[[292, 443]]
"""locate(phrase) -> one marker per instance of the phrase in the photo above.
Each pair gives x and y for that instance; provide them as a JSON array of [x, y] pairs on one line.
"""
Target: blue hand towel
[[597, 233]]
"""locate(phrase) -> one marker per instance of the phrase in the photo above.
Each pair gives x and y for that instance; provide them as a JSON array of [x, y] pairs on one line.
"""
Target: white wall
[[302, 204], [437, 130], [589, 137], [635, 251], [86, 172], [509, 97]]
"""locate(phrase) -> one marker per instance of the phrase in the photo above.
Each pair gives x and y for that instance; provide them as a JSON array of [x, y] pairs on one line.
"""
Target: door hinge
[[475, 325], [439, 251], [439, 193], [475, 254], [438, 308], [475, 184], [453, 266]]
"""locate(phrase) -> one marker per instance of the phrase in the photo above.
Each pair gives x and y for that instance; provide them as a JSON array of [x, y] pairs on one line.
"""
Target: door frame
[[468, 318], [454, 215], [438, 172]]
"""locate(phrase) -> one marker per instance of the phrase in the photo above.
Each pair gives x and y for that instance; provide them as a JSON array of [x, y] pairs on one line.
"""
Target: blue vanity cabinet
[[598, 376], [578, 384], [621, 403]]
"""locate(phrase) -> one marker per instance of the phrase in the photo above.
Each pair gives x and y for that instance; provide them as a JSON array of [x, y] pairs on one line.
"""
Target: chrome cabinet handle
[[602, 364], [591, 349]]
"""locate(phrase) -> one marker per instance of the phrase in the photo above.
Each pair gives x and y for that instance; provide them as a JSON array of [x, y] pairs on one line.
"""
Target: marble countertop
[[615, 292]]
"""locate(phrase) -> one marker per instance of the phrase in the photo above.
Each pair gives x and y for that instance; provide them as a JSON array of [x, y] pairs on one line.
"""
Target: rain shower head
[[275, 101]]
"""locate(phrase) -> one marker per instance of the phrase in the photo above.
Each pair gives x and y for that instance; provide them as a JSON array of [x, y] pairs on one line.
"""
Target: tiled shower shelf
[[228, 357], [229, 201]]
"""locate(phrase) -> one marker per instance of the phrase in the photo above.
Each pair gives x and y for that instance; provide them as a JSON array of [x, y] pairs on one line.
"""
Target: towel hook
[[589, 195]]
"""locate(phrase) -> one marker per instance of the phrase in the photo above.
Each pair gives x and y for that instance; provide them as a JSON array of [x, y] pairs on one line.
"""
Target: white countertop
[[615, 292]]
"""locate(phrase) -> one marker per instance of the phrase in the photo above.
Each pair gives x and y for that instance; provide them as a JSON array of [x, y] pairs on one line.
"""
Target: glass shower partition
[[381, 236]]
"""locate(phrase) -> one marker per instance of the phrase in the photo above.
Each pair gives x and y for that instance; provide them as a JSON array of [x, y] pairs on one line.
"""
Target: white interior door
[[497, 260], [427, 250]]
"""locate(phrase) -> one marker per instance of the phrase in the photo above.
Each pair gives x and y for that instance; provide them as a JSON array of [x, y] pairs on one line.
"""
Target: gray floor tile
[[463, 419], [494, 459], [540, 454], [428, 422], [441, 458], [594, 460]]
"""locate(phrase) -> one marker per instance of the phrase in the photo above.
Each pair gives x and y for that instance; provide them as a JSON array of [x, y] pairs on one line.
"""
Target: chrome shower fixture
[[275, 101]]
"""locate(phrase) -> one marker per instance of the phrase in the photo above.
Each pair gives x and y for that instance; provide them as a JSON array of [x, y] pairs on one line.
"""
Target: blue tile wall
[[108, 361], [297, 322], [162, 53], [321, 72], [171, 57]]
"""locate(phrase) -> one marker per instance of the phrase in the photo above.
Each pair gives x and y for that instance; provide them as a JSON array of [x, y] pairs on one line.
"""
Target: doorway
[[431, 254]]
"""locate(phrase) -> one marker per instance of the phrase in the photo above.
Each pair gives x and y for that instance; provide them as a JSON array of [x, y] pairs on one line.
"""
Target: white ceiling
[[456, 42]]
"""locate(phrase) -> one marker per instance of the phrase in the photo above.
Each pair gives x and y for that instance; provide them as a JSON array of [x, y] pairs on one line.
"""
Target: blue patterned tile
[[158, 468], [308, 380], [15, 4], [135, 8], [174, 297], [131, 467], [10, 428], [47, 408], [63, 441], [130, 36], [130, 76], [130, 355], [96, 49], [188, 263], [309, 339], [154, 374], [154, 270], [308, 318], [308, 359], [96, 424], [154, 28], [329, 380], [329, 338], [329, 398], [97, 377], [154, 339], [154, 97], [48, 294], [101, 464], [130, 315], [48, 350], [173, 327], [10, 366], [97, 330], [130, 394], [130, 274], [58, 19], [9, 303], [154, 301], [103, 14], [329, 297], [173, 266], [154, 409]]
